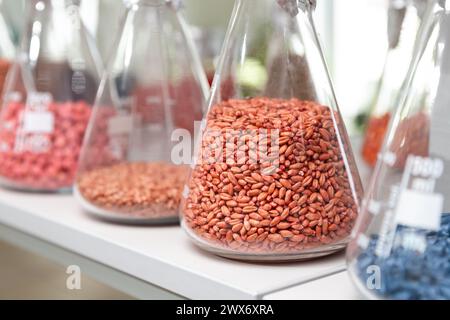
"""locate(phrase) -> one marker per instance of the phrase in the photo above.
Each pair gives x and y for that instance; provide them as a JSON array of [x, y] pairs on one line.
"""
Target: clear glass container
[[400, 248], [7, 51], [146, 108], [404, 28], [274, 177], [47, 100]]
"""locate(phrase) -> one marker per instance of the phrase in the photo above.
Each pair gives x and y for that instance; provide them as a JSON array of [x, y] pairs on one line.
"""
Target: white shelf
[[152, 262], [160, 257], [334, 287]]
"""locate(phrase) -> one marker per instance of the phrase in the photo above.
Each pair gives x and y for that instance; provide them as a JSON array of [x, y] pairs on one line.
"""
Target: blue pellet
[[409, 274], [403, 295], [445, 291]]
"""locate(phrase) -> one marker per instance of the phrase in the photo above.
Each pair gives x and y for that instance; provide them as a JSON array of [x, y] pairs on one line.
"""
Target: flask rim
[[66, 2], [175, 3]]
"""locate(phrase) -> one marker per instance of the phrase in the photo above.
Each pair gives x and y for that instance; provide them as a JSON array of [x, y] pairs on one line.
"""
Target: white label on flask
[[38, 122], [39, 101], [420, 210], [120, 125]]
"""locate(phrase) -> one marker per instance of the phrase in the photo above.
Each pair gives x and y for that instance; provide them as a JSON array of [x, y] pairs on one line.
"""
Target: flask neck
[[41, 5], [47, 9], [293, 7], [53, 28], [173, 3]]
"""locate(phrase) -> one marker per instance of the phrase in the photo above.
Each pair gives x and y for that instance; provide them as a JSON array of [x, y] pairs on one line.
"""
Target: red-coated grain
[[292, 200], [42, 160], [151, 190]]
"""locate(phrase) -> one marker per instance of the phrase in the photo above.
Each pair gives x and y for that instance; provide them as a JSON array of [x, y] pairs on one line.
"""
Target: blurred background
[[354, 38], [353, 34]]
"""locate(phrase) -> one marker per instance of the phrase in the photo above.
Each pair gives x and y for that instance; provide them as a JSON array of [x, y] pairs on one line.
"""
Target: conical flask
[[47, 99], [7, 51], [152, 94], [401, 244], [405, 26], [273, 177]]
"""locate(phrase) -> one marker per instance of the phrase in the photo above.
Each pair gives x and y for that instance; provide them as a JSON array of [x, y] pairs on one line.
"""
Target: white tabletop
[[334, 287], [162, 256], [165, 257]]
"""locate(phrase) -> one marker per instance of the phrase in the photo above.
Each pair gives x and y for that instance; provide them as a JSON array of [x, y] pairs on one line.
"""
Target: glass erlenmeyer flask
[[7, 51], [155, 87], [401, 244], [47, 99], [274, 177], [404, 27]]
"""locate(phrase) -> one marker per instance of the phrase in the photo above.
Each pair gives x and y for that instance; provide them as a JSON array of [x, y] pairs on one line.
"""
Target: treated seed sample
[[138, 189], [302, 198], [5, 65], [411, 138], [46, 159], [411, 272], [374, 136], [106, 144], [185, 97]]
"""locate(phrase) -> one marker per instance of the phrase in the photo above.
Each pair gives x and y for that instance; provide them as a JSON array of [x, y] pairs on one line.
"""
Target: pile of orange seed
[[138, 189], [301, 200]]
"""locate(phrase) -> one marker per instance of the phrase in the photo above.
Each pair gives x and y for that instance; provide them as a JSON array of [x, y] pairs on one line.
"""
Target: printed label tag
[[38, 122], [120, 125], [420, 210], [38, 101]]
